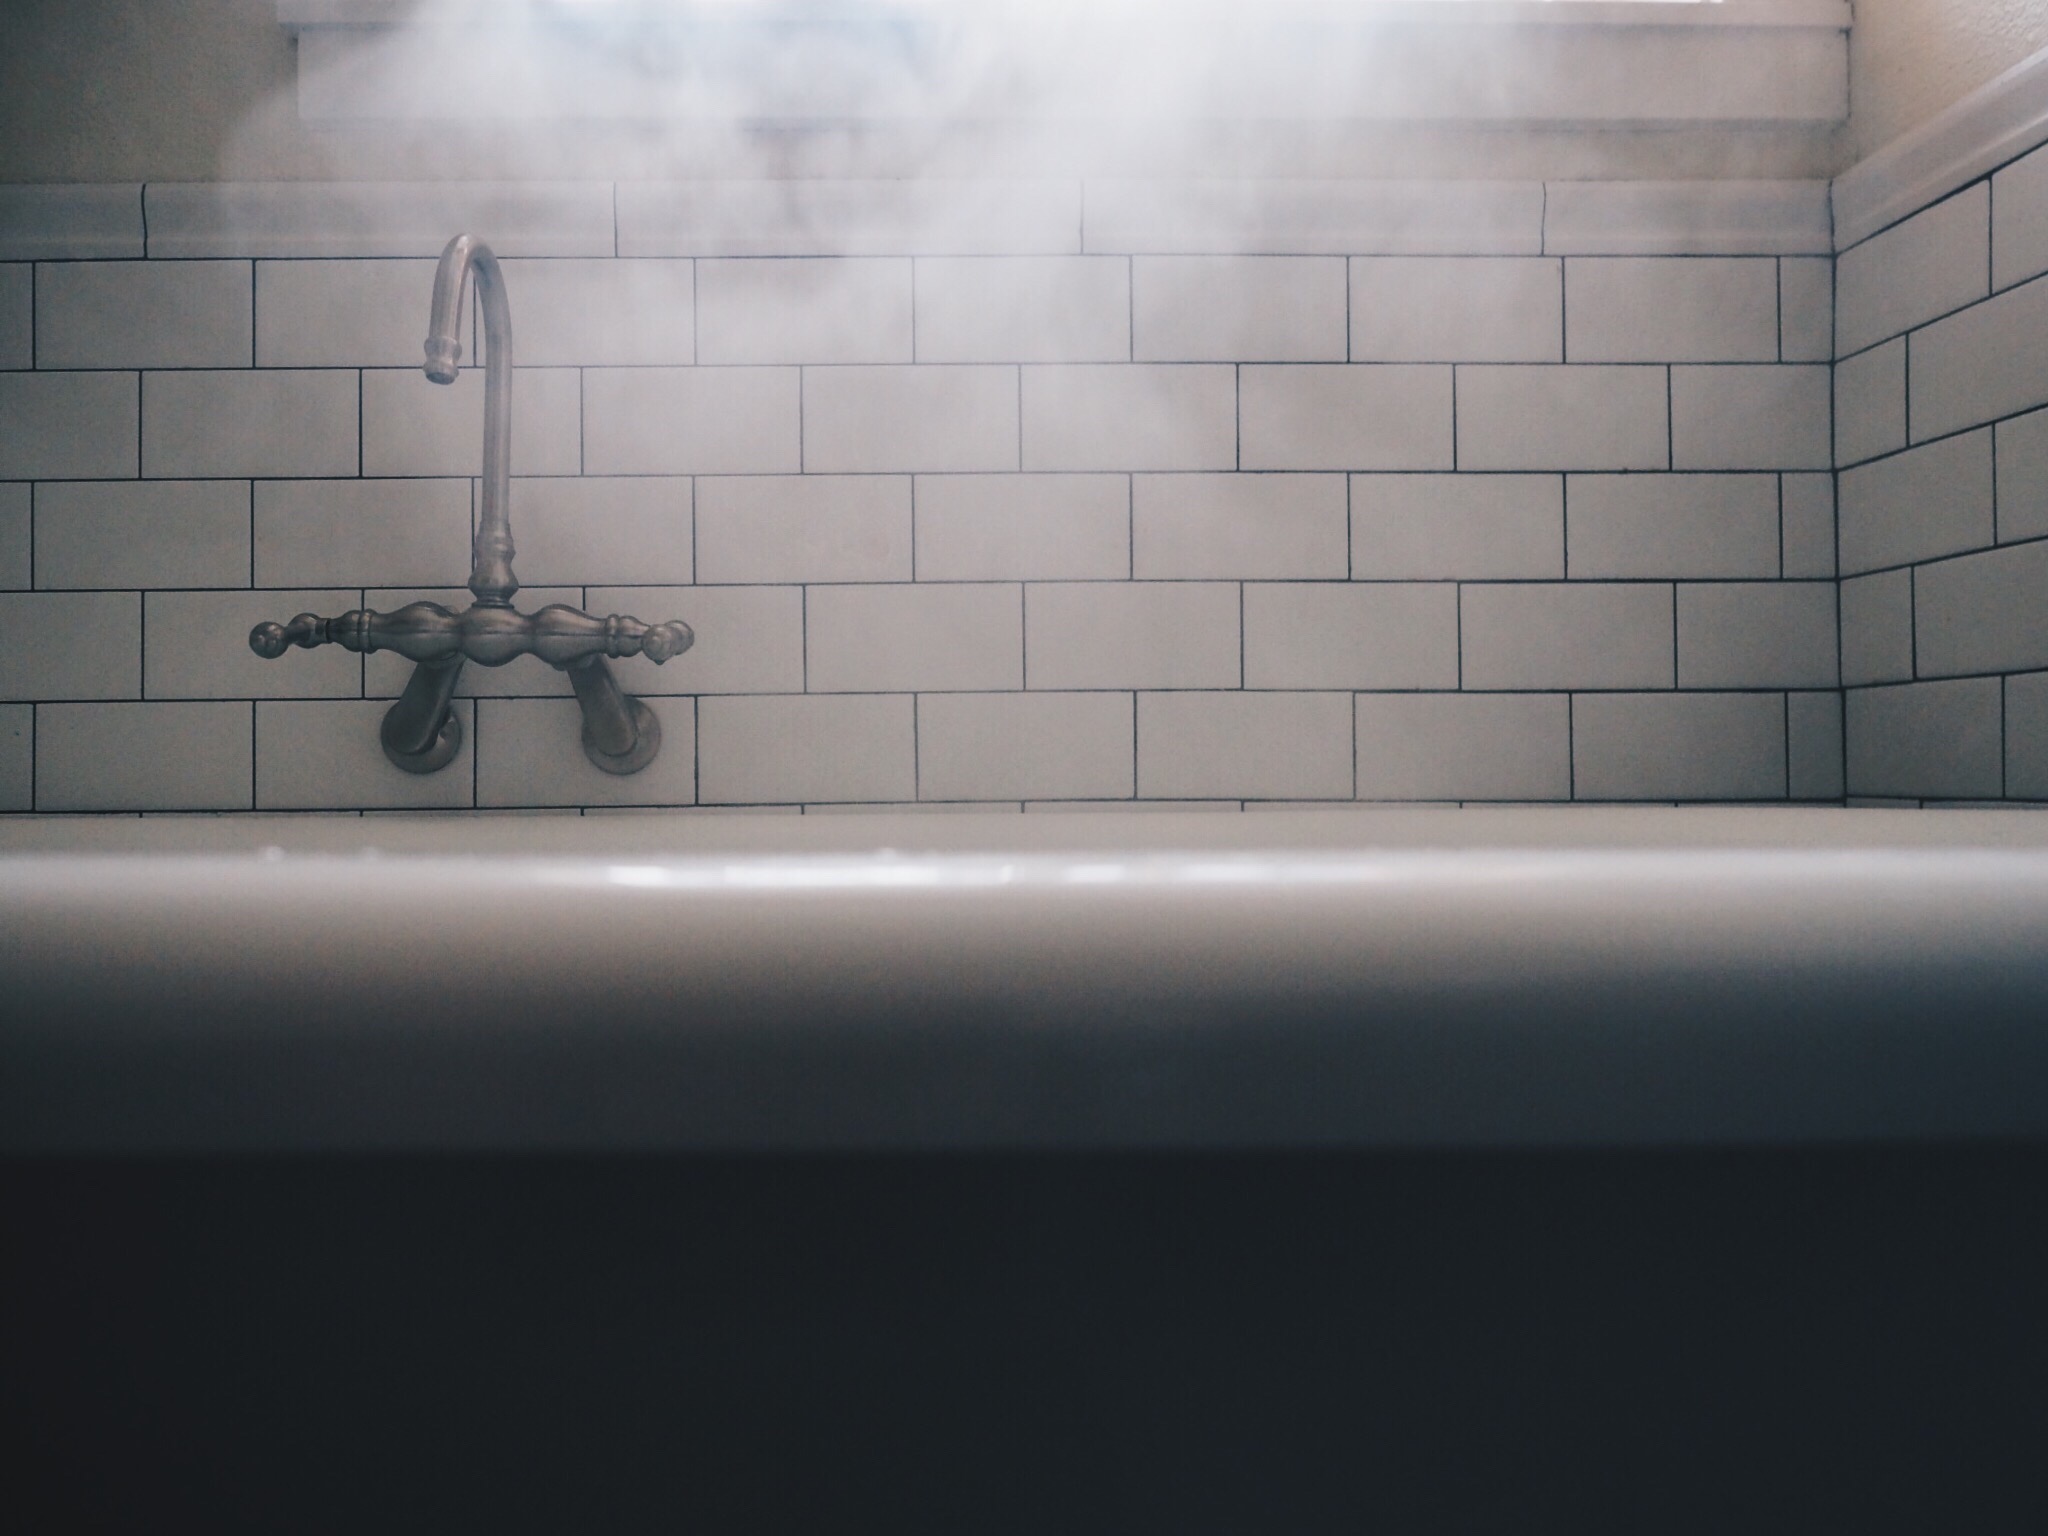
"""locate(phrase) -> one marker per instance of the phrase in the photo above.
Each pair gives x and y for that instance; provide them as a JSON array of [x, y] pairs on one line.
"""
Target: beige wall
[[151, 90], [1908, 59]]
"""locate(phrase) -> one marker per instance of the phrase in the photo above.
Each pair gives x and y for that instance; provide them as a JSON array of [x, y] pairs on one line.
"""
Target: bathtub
[[1353, 978]]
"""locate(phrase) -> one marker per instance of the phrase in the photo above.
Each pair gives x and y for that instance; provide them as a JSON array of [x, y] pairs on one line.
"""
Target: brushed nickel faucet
[[421, 732]]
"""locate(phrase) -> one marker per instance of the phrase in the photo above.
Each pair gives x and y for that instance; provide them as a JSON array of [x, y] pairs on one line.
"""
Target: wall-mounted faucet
[[421, 732]]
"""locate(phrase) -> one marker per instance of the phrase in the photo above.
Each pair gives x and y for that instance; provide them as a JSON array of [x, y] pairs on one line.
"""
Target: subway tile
[[1230, 309], [569, 313], [1688, 218], [1982, 613], [1738, 417], [362, 533], [14, 537], [1131, 807], [2026, 736], [1475, 310], [350, 314], [1284, 216], [909, 639], [1025, 746], [326, 755], [71, 645], [412, 426], [1219, 527], [271, 423], [574, 531], [143, 757], [1579, 417], [806, 749], [1464, 746], [1679, 746], [800, 529], [1806, 309], [530, 752], [71, 222], [1935, 741], [17, 757], [1934, 262], [1558, 636], [749, 639], [1807, 525], [1351, 635], [17, 315], [691, 421], [1757, 634], [1254, 746], [2022, 477], [143, 314], [804, 310], [1130, 417], [1870, 403], [196, 646], [377, 218], [1688, 309], [1672, 525], [143, 533], [2019, 221], [1457, 527], [1813, 745], [67, 426], [797, 217], [1023, 309], [1918, 505], [1877, 628], [947, 417], [1023, 527], [385, 673], [1347, 416], [1131, 635], [1989, 361]]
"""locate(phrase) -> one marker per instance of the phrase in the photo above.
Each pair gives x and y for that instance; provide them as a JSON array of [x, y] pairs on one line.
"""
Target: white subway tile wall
[[1039, 494], [1942, 322]]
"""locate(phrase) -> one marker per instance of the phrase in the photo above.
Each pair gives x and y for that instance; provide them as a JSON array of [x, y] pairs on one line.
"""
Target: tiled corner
[[1870, 403], [1933, 263], [1918, 505], [1877, 628], [1807, 525], [2019, 221], [1936, 741], [1806, 309]]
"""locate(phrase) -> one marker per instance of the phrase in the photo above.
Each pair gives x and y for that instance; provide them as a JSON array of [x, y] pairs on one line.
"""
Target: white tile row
[[973, 748], [795, 310], [804, 529], [877, 217], [974, 637]]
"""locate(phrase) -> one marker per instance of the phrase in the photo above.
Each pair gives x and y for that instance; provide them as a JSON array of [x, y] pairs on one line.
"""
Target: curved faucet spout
[[490, 575]]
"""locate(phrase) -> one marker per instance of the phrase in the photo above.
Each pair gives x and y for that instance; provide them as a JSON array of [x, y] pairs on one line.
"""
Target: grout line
[[252, 754], [1780, 265], [252, 314], [1781, 527], [1788, 746], [916, 767], [1913, 616], [2004, 689], [34, 339], [696, 749], [1571, 746]]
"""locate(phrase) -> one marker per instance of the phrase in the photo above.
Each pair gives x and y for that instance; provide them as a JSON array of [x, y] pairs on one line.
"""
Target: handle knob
[[271, 640]]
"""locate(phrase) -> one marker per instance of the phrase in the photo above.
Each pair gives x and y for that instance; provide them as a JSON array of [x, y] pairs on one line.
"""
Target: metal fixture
[[421, 733]]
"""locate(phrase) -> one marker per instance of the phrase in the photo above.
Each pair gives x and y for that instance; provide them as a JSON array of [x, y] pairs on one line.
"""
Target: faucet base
[[646, 742], [437, 754]]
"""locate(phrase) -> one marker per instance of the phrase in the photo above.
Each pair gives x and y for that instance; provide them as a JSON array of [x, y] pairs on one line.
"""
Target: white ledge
[[1994, 124], [1590, 63]]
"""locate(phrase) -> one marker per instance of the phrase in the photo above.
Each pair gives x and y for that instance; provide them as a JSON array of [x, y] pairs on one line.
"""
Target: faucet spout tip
[[444, 358]]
